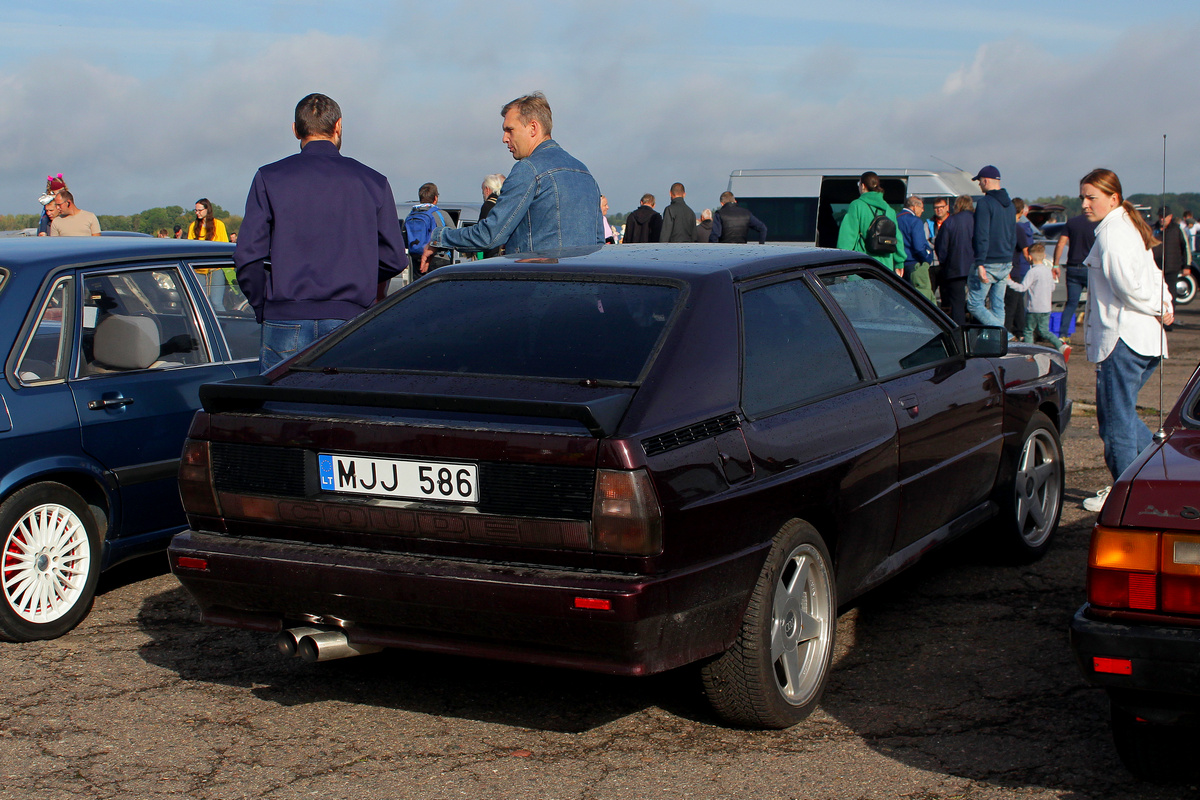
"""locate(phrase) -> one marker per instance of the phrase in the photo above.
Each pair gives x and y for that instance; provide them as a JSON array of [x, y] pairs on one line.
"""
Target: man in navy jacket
[[319, 235]]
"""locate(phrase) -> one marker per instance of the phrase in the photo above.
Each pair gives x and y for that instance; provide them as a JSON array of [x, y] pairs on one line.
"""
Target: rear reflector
[[187, 562], [195, 479], [593, 603], [1112, 666]]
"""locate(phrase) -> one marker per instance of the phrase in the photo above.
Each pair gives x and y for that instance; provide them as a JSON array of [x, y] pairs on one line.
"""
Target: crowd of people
[[972, 258]]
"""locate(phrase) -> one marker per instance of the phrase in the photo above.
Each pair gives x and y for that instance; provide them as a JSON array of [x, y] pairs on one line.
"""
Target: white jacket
[[1126, 292]]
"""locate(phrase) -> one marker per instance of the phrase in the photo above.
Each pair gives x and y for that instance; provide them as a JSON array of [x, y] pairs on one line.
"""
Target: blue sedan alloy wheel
[[774, 674], [50, 562]]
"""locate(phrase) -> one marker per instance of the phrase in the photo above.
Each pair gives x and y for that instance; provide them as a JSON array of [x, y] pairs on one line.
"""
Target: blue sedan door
[[142, 355]]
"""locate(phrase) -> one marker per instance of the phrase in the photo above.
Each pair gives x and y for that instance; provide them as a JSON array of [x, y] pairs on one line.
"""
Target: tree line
[[150, 221]]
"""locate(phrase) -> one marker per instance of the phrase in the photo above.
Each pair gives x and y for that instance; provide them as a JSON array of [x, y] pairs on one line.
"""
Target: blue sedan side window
[[138, 319]]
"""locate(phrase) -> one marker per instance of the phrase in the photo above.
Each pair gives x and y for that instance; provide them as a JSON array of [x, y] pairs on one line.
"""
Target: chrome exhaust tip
[[288, 641], [328, 645]]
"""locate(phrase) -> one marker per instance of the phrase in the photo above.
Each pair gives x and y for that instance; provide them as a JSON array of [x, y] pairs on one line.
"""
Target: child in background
[[1039, 288]]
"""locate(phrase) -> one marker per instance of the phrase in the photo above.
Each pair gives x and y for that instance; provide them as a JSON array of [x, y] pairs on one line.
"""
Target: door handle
[[910, 402], [109, 402]]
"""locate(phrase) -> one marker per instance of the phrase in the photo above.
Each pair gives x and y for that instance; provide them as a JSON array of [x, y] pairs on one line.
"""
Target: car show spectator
[[919, 255], [321, 235], [704, 229], [1128, 304], [732, 223], [533, 212], [54, 185], [678, 219], [610, 236], [420, 224], [956, 255], [206, 226], [644, 224], [492, 185], [858, 226], [1014, 305], [1038, 286], [73, 220], [995, 239], [1076, 240]]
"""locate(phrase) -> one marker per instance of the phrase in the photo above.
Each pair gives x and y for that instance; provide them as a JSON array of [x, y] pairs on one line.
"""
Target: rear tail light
[[195, 479], [1144, 570], [626, 517]]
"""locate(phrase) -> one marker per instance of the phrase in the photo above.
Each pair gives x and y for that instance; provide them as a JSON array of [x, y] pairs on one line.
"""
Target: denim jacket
[[549, 201]]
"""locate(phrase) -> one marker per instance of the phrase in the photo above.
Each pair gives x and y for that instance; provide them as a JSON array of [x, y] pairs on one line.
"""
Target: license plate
[[409, 480]]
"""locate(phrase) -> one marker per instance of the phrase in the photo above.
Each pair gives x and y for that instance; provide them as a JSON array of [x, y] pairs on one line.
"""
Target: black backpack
[[880, 238]]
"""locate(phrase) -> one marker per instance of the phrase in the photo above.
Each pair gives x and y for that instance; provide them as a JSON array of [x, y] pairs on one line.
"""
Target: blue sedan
[[108, 341]]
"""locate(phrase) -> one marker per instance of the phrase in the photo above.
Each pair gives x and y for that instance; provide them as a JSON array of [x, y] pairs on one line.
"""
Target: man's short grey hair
[[706, 214], [493, 182], [913, 201], [531, 106]]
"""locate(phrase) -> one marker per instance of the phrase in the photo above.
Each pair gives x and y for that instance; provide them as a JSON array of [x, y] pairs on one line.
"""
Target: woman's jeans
[[283, 338], [1119, 378], [978, 292], [1077, 281]]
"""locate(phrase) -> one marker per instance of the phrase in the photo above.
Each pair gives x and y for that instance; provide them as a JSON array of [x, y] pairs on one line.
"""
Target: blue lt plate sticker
[[325, 462]]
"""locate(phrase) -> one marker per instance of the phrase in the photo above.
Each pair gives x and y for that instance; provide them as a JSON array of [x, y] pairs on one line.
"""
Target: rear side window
[[793, 352], [568, 330], [48, 351]]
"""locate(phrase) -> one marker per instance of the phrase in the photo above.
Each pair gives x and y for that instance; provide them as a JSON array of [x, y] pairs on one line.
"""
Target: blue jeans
[[283, 338], [978, 292], [1077, 281], [1119, 378]]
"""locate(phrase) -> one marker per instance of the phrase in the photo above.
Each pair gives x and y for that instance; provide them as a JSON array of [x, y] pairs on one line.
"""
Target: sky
[[152, 103]]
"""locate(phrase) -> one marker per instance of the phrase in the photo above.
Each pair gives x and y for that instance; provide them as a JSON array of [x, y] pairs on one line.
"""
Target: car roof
[[739, 261], [29, 253]]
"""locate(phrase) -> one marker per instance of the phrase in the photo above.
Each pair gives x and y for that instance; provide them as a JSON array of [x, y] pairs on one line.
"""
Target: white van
[[805, 206]]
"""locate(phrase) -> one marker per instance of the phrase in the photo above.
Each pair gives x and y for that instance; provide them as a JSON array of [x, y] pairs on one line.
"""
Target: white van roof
[[807, 181]]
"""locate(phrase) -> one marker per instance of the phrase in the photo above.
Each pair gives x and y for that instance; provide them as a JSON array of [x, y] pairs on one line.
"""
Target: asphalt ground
[[953, 681]]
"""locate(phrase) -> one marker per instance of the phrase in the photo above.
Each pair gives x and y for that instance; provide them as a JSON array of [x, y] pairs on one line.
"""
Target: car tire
[[1185, 289], [1154, 752], [776, 670], [51, 562], [1031, 503]]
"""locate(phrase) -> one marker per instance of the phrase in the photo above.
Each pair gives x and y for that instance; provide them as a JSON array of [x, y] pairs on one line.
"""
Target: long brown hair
[[1107, 181], [209, 230]]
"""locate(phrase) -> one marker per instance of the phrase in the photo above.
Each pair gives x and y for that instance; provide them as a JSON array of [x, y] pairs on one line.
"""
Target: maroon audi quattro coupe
[[622, 460], [1138, 634]]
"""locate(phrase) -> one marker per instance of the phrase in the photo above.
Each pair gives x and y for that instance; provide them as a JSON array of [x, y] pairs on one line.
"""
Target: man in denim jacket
[[550, 200]]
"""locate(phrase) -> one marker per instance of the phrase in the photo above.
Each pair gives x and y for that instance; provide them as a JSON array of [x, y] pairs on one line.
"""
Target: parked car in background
[[108, 341], [622, 460], [1138, 635]]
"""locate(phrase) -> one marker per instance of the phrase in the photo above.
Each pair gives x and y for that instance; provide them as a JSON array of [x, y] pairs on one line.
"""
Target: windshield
[[557, 329]]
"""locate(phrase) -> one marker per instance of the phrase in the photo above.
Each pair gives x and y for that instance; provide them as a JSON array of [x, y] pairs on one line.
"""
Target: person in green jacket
[[870, 203]]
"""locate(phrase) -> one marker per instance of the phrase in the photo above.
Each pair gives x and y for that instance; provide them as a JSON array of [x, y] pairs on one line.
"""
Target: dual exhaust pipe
[[320, 644]]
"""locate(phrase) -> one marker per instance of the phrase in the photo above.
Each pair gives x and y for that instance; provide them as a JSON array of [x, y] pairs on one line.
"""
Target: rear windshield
[[558, 329]]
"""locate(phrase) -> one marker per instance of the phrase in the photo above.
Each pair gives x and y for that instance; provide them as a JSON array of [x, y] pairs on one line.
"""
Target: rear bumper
[[503, 611], [1163, 684]]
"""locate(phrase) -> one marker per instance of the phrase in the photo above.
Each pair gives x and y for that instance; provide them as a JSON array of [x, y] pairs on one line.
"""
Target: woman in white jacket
[[1128, 303]]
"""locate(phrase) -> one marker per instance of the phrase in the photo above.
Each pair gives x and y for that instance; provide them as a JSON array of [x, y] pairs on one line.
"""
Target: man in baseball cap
[[995, 239]]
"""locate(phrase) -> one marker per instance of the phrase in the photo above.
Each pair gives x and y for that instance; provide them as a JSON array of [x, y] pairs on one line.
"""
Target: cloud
[[422, 91]]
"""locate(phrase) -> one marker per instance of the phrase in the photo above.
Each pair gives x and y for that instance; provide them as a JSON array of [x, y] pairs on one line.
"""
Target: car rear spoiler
[[600, 415]]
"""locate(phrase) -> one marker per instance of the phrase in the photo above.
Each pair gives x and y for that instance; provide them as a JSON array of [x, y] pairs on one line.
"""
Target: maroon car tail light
[[626, 517], [1180, 591], [195, 479], [1144, 570], [1123, 568], [593, 603]]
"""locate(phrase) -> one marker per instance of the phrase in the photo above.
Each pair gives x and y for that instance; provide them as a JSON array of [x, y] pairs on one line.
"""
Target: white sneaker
[[1096, 503]]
